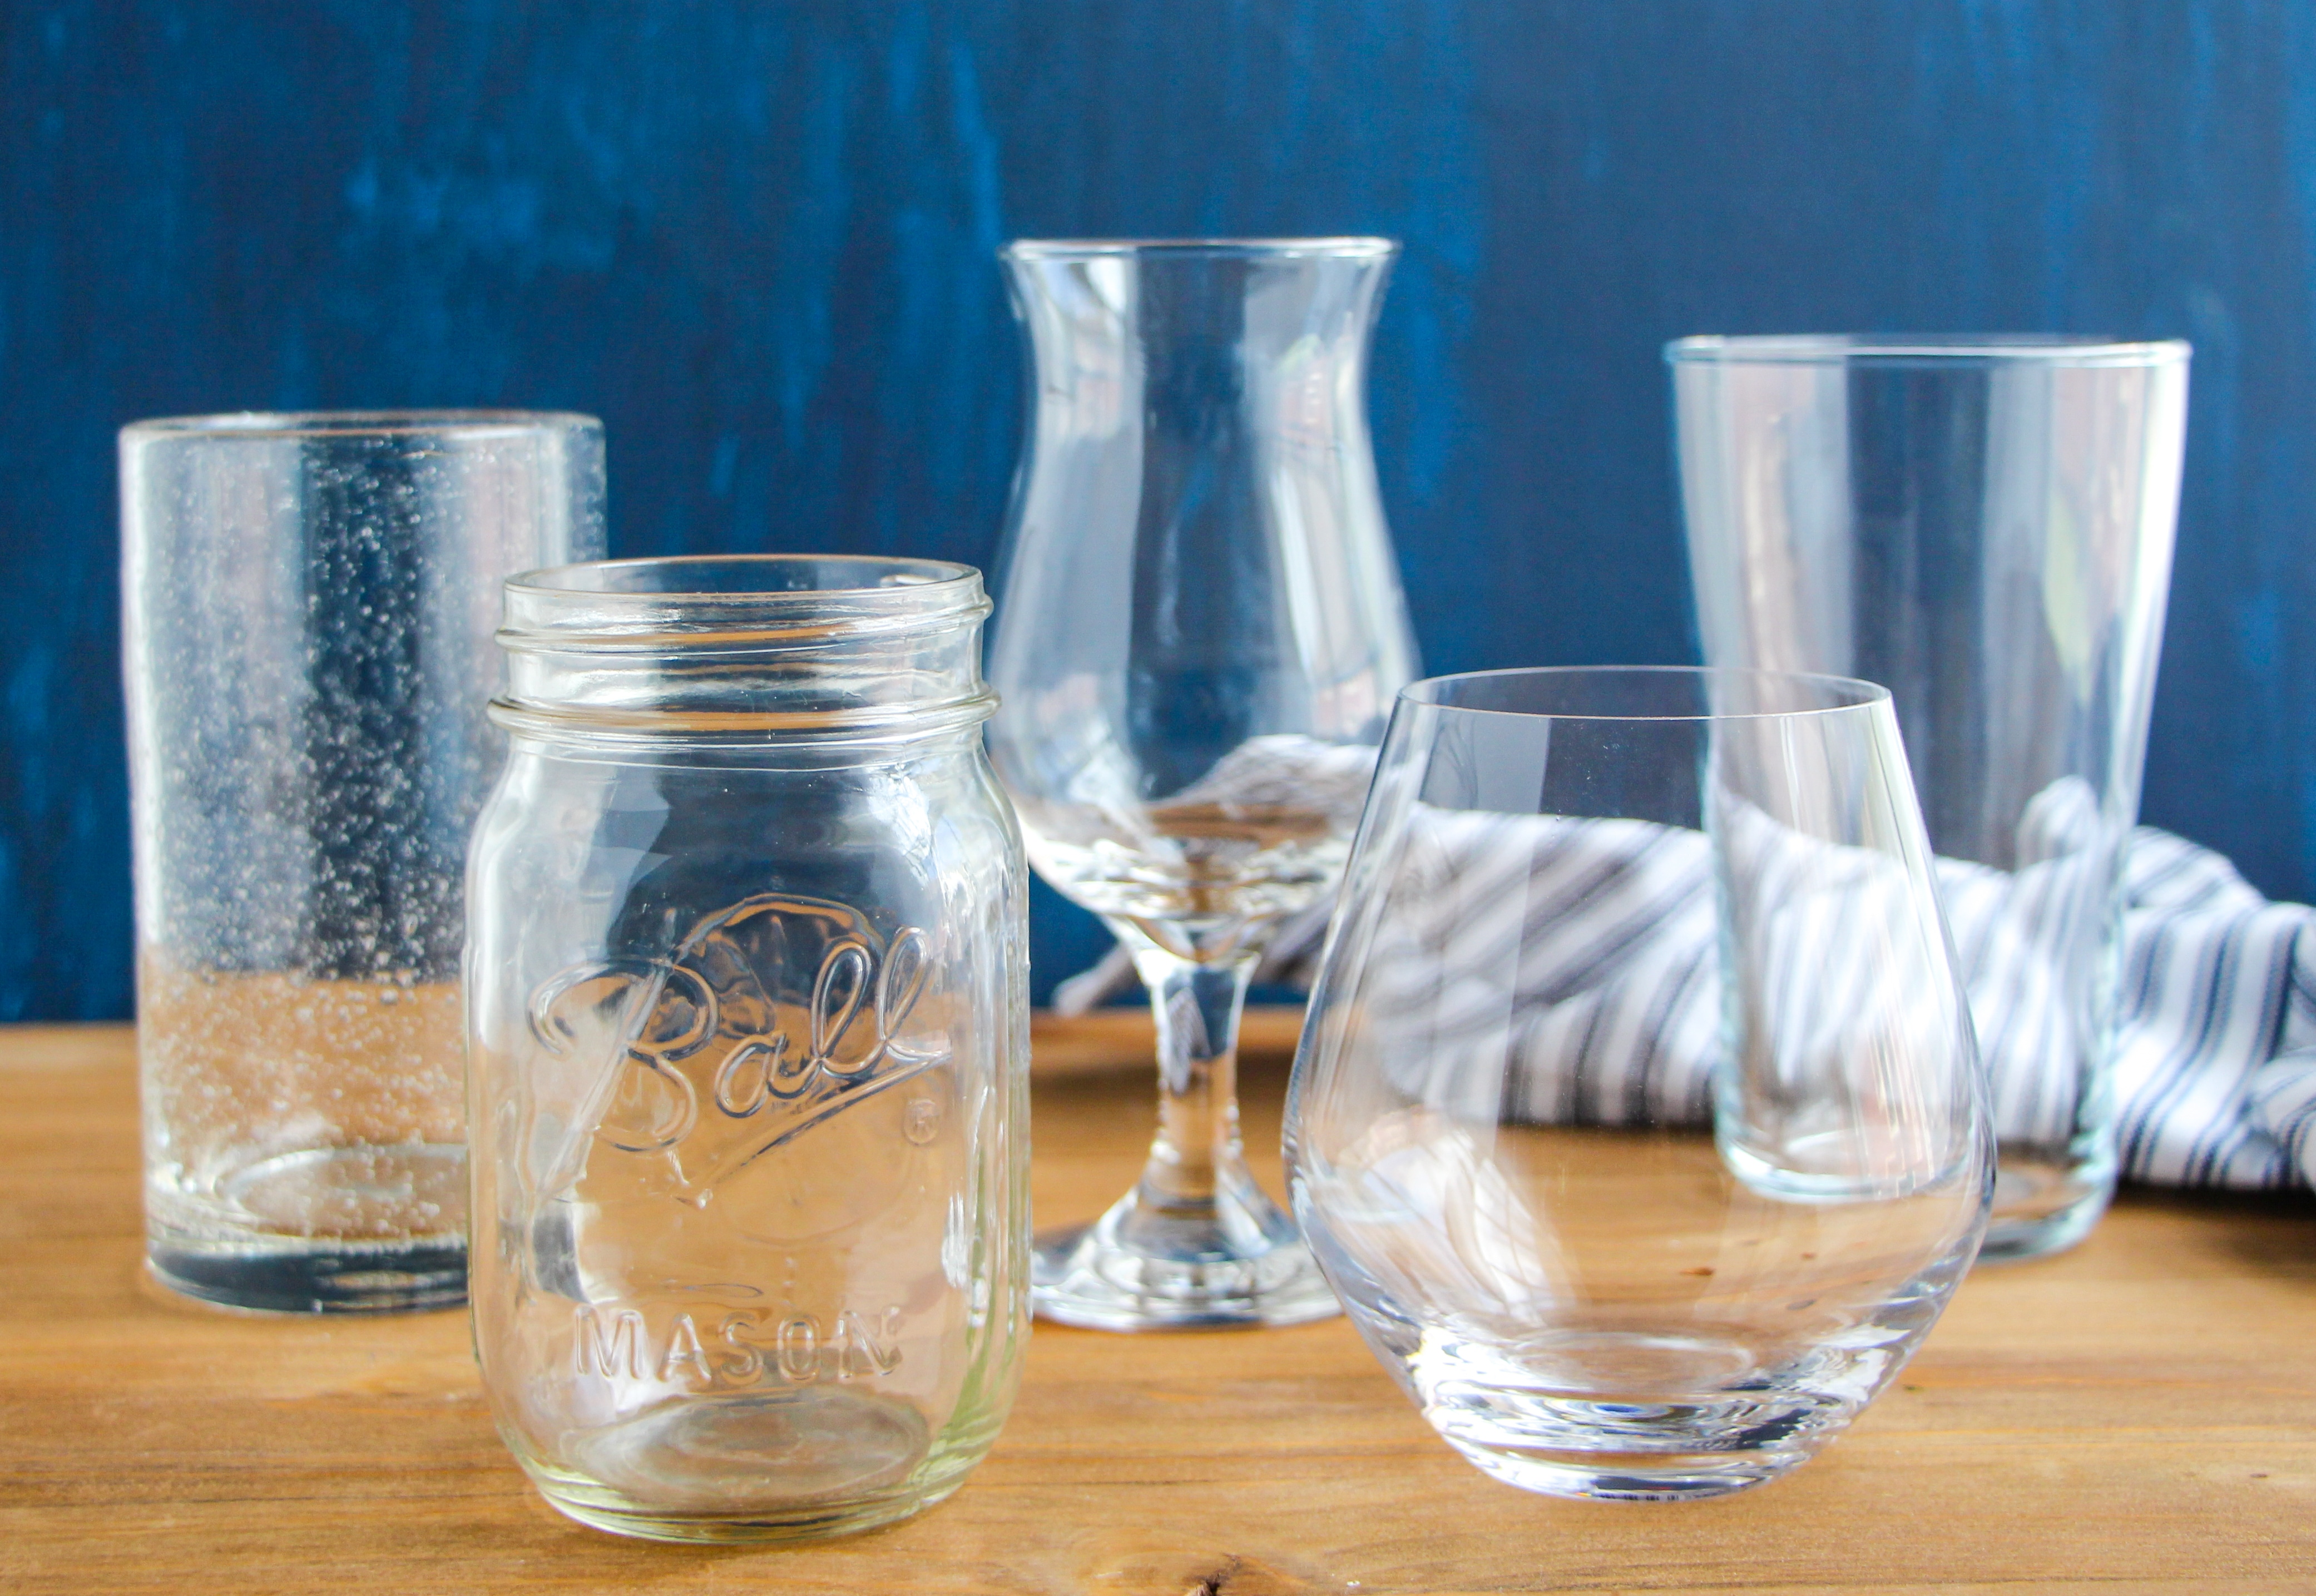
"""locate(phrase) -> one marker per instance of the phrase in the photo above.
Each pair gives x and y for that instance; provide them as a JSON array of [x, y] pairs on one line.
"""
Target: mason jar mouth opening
[[722, 647], [737, 603], [799, 579]]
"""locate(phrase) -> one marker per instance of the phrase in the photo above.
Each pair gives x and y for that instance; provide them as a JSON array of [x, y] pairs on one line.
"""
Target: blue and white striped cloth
[[2216, 1065], [2216, 1048]]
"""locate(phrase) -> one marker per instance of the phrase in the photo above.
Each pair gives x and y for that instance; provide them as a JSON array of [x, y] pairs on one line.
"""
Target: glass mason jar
[[748, 1045]]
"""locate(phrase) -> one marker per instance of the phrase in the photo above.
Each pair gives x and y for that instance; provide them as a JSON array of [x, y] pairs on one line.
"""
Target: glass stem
[[1196, 1151]]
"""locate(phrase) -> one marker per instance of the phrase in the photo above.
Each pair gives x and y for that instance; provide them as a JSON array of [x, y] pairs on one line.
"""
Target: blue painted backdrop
[[755, 237]]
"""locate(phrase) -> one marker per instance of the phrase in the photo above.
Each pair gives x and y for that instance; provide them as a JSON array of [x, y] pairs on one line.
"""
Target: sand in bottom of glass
[[304, 1140]]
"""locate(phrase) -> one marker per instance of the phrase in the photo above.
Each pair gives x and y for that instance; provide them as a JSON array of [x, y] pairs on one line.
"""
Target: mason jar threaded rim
[[719, 647]]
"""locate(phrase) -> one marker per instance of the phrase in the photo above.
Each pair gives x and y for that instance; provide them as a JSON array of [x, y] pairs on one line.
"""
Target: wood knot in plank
[[1245, 1576]]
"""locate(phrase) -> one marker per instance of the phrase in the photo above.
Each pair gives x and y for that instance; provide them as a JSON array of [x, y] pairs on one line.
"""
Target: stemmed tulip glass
[[1199, 634], [1637, 1119]]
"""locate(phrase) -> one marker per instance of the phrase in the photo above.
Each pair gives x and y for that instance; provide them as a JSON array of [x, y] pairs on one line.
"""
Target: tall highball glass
[[1637, 1119], [1200, 631], [309, 606], [1984, 526]]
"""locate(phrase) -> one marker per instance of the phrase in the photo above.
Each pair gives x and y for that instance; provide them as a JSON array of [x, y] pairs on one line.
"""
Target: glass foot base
[[351, 1279], [1137, 1268]]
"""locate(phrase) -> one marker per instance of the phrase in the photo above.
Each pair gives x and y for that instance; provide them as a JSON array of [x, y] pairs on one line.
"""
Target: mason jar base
[[338, 1278], [643, 1524], [791, 1465]]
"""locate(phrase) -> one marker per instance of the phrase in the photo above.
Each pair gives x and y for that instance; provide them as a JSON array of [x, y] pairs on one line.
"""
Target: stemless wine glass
[[1200, 631], [1637, 1121]]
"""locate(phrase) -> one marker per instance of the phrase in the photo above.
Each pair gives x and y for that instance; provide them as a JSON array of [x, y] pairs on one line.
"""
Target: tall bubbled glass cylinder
[[308, 602]]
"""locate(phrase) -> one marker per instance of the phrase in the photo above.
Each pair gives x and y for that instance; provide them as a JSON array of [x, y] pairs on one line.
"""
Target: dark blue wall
[[756, 238]]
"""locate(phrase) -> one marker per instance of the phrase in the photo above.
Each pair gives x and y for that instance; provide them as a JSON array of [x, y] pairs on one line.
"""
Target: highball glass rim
[[1924, 349], [273, 425], [1862, 694]]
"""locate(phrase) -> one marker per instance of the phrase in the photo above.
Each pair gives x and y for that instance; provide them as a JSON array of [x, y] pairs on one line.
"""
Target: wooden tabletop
[[2139, 1415]]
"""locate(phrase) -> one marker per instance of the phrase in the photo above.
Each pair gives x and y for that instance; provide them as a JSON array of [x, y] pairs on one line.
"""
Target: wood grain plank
[[1112, 1040], [2138, 1417]]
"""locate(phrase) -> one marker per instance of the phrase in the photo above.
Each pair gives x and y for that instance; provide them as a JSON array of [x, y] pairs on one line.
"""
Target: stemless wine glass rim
[[273, 425], [1923, 349], [1345, 246], [1860, 694], [936, 584]]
